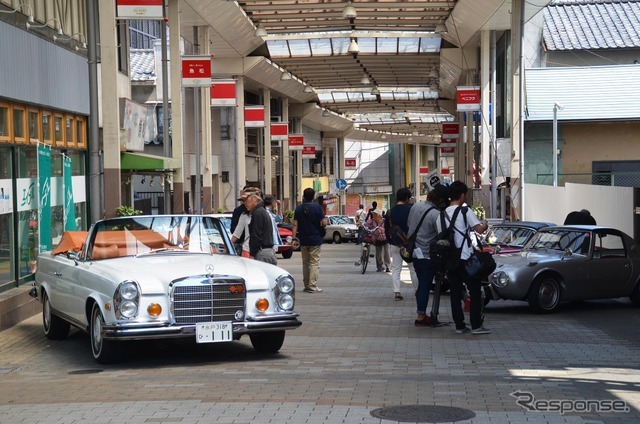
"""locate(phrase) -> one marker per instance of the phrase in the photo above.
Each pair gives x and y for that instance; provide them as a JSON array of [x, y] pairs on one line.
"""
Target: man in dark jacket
[[308, 219], [397, 230], [260, 231]]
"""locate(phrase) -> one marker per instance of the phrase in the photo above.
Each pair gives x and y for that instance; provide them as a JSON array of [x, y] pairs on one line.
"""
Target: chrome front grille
[[204, 299]]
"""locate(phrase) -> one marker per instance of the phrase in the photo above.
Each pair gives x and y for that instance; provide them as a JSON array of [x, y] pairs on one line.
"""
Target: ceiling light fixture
[[30, 25], [441, 28], [260, 31], [375, 91], [286, 75], [383, 137], [415, 133], [365, 80], [19, 9], [410, 138], [349, 12], [433, 73], [394, 115], [326, 113], [353, 46], [308, 89]]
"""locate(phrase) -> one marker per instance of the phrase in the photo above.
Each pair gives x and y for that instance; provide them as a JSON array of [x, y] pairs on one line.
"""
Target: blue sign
[[341, 184]]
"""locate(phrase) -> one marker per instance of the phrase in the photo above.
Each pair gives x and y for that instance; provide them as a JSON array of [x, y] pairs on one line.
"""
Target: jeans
[[360, 234], [396, 269], [310, 265], [425, 273], [457, 278]]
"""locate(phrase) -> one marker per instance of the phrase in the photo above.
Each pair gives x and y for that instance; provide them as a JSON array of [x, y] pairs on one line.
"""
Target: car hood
[[154, 273], [347, 226], [525, 258]]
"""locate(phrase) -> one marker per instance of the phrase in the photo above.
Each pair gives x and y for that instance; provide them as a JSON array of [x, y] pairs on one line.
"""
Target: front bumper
[[135, 331]]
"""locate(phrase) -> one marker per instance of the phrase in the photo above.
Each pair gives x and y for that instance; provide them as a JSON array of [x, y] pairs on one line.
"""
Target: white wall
[[610, 206]]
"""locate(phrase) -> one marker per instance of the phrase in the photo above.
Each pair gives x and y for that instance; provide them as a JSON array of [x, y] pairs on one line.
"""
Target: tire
[[287, 254], [544, 294], [269, 342], [337, 238], [364, 259], [55, 328], [635, 295], [104, 351]]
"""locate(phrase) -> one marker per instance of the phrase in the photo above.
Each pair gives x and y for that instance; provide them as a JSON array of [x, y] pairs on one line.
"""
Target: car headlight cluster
[[289, 239], [126, 299], [500, 279], [285, 292]]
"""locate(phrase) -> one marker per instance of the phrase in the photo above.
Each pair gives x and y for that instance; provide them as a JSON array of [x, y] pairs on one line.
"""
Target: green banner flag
[[69, 206], [44, 196]]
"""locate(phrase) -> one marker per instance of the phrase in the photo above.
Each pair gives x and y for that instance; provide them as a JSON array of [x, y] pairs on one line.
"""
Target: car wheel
[[287, 254], [337, 238], [55, 328], [544, 295], [104, 351], [269, 342], [635, 295]]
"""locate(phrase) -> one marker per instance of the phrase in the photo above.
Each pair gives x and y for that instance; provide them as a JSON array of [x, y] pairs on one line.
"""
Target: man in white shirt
[[361, 217]]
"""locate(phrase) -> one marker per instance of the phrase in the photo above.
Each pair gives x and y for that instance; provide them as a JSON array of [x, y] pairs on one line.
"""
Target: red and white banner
[[451, 142], [450, 130], [468, 98], [447, 152], [196, 71], [350, 163], [308, 152], [296, 141], [223, 92], [279, 131], [139, 9], [423, 170], [254, 116], [445, 171]]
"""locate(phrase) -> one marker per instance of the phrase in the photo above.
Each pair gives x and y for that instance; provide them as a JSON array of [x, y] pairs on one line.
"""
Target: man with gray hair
[[260, 230]]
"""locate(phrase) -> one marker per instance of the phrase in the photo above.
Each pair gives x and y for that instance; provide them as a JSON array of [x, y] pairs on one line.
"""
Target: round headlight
[[500, 279], [285, 301], [128, 290], [128, 309], [286, 284], [289, 239]]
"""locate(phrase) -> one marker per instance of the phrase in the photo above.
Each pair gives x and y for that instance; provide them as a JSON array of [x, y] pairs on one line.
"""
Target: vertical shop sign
[[468, 98], [308, 152], [44, 196], [223, 92], [296, 141], [139, 9], [254, 116], [196, 71], [69, 206], [279, 131]]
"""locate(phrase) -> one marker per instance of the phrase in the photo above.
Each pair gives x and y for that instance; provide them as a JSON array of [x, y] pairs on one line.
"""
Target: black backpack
[[443, 251]]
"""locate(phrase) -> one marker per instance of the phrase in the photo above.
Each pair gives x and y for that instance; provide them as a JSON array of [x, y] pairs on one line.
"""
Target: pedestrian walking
[[422, 220], [361, 217], [458, 276], [260, 231], [375, 235], [397, 229], [308, 225]]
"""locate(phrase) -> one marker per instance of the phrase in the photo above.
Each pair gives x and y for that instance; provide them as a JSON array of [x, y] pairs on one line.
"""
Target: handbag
[[407, 248], [480, 265]]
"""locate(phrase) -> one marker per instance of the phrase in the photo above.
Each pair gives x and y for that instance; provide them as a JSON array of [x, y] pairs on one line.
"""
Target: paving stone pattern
[[356, 351]]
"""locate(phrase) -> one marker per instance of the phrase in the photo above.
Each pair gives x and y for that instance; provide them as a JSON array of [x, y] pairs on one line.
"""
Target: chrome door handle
[[57, 274]]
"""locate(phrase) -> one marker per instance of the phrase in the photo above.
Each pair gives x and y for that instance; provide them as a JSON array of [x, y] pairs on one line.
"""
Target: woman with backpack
[[375, 234], [397, 228]]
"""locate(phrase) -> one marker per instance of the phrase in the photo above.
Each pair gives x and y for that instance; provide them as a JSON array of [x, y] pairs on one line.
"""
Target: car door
[[610, 267]]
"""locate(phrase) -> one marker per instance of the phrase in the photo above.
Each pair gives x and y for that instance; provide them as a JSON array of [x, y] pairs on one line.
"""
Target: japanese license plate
[[213, 332]]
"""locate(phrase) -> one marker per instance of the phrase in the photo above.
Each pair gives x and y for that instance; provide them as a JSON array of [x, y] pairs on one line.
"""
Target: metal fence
[[150, 202], [614, 179]]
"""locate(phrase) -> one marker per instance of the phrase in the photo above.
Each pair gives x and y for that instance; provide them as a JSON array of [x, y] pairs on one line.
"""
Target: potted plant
[[288, 216], [127, 211]]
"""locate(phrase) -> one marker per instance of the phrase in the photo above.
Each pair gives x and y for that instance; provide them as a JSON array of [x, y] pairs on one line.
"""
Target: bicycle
[[364, 257]]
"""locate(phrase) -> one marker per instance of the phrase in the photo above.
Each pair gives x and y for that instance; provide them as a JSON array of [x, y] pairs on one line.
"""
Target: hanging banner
[[139, 9], [67, 188], [450, 130], [296, 141], [223, 92], [196, 71], [450, 142], [468, 98], [44, 196], [308, 152], [423, 170], [350, 163], [279, 131], [447, 152], [254, 116]]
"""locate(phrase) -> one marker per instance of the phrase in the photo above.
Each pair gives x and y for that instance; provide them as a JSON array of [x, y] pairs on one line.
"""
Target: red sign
[[423, 170], [254, 116], [450, 130], [445, 171], [196, 71], [468, 98], [296, 141], [451, 142], [309, 152], [279, 131], [139, 9], [350, 163], [223, 93], [447, 151]]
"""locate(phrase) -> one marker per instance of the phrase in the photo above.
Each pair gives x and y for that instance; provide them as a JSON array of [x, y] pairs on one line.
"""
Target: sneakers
[[464, 330], [387, 270], [312, 289], [480, 330]]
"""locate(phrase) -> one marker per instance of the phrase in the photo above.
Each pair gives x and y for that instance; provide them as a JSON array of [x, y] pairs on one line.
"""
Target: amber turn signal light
[[262, 305], [154, 310]]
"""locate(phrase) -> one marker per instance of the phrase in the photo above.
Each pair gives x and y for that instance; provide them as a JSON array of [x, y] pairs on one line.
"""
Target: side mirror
[[74, 256], [567, 252]]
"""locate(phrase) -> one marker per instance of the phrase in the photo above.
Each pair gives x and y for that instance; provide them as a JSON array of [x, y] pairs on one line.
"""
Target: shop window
[[81, 131], [27, 162], [5, 123], [19, 125], [47, 127], [69, 129], [34, 126], [27, 242], [58, 132]]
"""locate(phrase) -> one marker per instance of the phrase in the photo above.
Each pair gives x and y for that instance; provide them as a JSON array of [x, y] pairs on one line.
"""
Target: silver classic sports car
[[167, 276], [569, 263]]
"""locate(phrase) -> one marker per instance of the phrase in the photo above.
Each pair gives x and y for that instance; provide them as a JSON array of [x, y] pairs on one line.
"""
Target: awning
[[130, 161]]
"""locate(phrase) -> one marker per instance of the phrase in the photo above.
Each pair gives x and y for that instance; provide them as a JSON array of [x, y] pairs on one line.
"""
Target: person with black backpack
[[422, 221], [462, 219]]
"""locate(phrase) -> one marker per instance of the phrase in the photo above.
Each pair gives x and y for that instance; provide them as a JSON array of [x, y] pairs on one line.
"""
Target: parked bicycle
[[364, 257]]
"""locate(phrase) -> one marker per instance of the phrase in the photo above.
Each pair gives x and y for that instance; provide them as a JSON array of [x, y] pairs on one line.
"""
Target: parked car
[[285, 234], [569, 263], [510, 237], [158, 277], [339, 228]]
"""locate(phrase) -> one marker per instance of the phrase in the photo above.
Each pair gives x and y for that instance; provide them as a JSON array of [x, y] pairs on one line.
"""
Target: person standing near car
[[458, 276], [397, 228], [308, 225], [260, 231], [437, 200], [361, 217], [269, 203]]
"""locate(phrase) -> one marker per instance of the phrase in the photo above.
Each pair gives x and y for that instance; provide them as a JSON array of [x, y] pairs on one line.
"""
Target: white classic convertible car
[[166, 276]]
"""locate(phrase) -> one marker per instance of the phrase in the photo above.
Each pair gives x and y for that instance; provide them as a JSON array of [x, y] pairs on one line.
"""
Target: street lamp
[[556, 108]]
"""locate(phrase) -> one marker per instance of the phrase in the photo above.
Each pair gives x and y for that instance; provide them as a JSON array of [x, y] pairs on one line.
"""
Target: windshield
[[578, 241], [137, 235], [339, 220], [510, 236]]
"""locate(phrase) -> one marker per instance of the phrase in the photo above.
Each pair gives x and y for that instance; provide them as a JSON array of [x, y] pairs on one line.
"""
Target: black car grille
[[205, 299]]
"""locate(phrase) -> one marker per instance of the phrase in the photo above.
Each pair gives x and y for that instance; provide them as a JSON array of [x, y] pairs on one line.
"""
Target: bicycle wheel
[[364, 259]]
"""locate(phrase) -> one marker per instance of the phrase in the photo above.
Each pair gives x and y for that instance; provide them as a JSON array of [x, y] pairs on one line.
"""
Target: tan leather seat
[[107, 252]]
